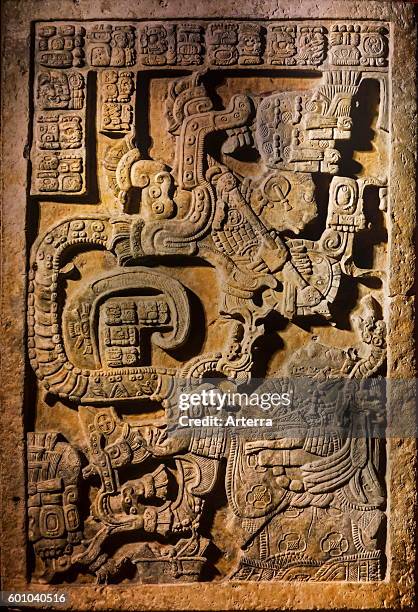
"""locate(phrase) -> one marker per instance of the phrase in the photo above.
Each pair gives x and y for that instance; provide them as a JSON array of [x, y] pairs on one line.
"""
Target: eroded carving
[[61, 46], [252, 187], [352, 45], [117, 110], [59, 132], [57, 90], [54, 522], [158, 44], [60, 95], [59, 172], [111, 45]]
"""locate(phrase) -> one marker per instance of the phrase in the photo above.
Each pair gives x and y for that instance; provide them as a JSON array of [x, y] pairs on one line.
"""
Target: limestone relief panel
[[212, 207]]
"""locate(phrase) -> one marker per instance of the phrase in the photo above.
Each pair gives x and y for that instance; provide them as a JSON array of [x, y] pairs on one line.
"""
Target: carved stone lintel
[[228, 214]]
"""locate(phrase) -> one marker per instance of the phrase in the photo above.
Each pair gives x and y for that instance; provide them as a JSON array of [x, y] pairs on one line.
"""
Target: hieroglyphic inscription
[[117, 100], [60, 109]]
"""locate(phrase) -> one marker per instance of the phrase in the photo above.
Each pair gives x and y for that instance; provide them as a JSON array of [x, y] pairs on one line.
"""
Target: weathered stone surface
[[195, 194]]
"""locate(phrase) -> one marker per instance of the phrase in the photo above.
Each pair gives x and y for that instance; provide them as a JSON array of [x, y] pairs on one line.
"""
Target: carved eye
[[344, 196], [77, 225], [128, 492]]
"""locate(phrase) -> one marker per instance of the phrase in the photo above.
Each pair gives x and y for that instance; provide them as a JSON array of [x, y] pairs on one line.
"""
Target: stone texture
[[194, 192]]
